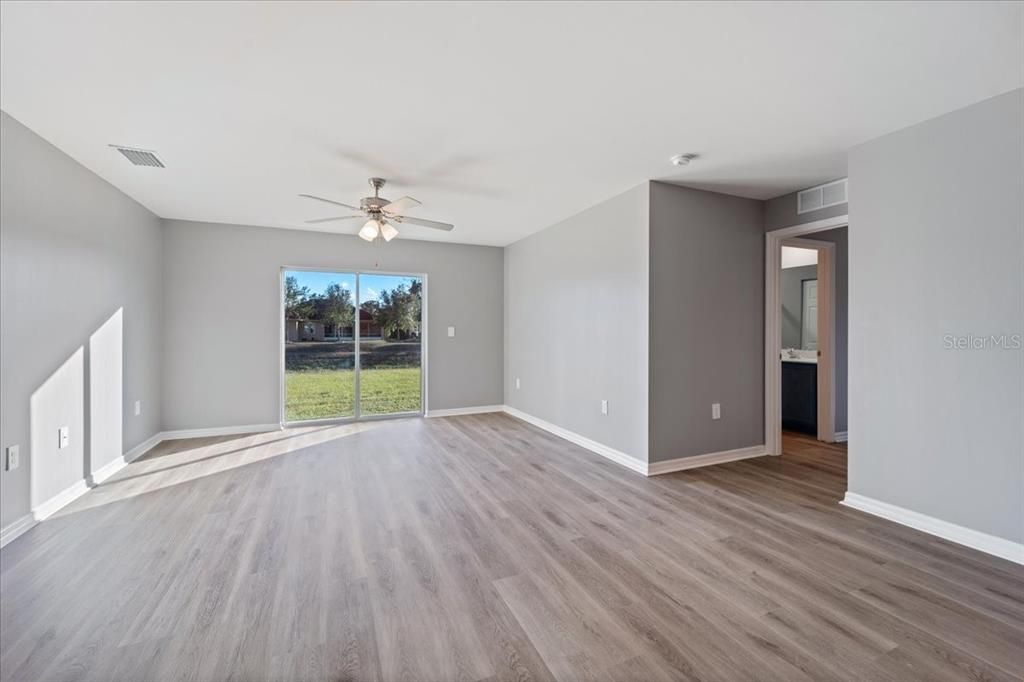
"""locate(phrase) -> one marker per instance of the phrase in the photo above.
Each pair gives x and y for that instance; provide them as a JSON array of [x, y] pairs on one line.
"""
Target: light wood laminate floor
[[481, 548]]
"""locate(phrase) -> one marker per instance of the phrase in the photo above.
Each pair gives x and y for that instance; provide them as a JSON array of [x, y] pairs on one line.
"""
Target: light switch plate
[[138, 407], [451, 331], [13, 458], [716, 410], [63, 437], [604, 407], [517, 383]]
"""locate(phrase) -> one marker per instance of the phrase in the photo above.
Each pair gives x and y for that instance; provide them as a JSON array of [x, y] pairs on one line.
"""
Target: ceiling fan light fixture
[[388, 231], [382, 214], [370, 230]]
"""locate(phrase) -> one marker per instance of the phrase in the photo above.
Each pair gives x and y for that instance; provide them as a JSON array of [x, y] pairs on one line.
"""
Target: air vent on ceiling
[[822, 196], [140, 157]]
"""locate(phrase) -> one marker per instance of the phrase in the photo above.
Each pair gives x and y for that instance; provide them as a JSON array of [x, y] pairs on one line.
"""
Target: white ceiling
[[501, 117]]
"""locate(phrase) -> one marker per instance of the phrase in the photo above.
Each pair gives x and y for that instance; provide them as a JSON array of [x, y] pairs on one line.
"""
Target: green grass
[[322, 394]]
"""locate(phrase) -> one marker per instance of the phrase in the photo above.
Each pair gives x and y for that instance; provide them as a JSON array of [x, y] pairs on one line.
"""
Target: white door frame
[[422, 276], [791, 236]]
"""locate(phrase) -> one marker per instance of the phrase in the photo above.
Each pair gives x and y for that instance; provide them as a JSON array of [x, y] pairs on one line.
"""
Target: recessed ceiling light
[[682, 159]]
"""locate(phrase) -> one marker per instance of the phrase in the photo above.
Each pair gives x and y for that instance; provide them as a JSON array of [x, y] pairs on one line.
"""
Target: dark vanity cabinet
[[800, 397]]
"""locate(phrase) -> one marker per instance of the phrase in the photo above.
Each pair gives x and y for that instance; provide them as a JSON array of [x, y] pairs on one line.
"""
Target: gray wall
[[791, 298], [222, 304], [706, 321], [576, 323], [81, 307], [938, 220]]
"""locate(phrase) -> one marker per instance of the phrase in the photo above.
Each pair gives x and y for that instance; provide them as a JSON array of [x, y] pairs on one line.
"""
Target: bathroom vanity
[[800, 391]]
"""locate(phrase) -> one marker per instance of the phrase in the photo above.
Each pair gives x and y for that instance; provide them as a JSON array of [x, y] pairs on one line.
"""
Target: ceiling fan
[[383, 214]]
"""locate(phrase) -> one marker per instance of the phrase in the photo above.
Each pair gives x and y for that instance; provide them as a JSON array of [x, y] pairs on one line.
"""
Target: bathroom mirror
[[798, 289]]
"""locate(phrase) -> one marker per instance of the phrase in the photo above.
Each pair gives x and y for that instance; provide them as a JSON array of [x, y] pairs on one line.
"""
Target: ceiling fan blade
[[427, 223], [340, 217], [402, 205], [330, 201]]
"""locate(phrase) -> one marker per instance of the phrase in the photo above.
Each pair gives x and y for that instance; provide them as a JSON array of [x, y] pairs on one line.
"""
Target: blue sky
[[369, 288]]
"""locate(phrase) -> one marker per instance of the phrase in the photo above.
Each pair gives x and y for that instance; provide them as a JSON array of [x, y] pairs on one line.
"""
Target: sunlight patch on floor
[[180, 461]]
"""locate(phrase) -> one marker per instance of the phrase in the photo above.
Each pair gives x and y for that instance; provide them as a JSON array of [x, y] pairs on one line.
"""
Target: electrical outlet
[[517, 383], [63, 437], [716, 410], [138, 407], [12, 458], [604, 407]]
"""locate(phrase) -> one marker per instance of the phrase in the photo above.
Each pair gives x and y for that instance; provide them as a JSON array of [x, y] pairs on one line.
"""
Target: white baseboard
[[143, 447], [614, 455], [108, 470], [16, 528], [456, 411], [841, 436], [983, 542], [65, 497], [218, 431], [683, 463], [639, 466]]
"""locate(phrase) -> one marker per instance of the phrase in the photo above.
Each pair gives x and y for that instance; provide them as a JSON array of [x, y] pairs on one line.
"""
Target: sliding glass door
[[319, 348], [390, 344], [353, 345]]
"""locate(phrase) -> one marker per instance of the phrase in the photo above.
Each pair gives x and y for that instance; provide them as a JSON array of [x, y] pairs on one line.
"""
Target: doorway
[[352, 345], [805, 338]]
